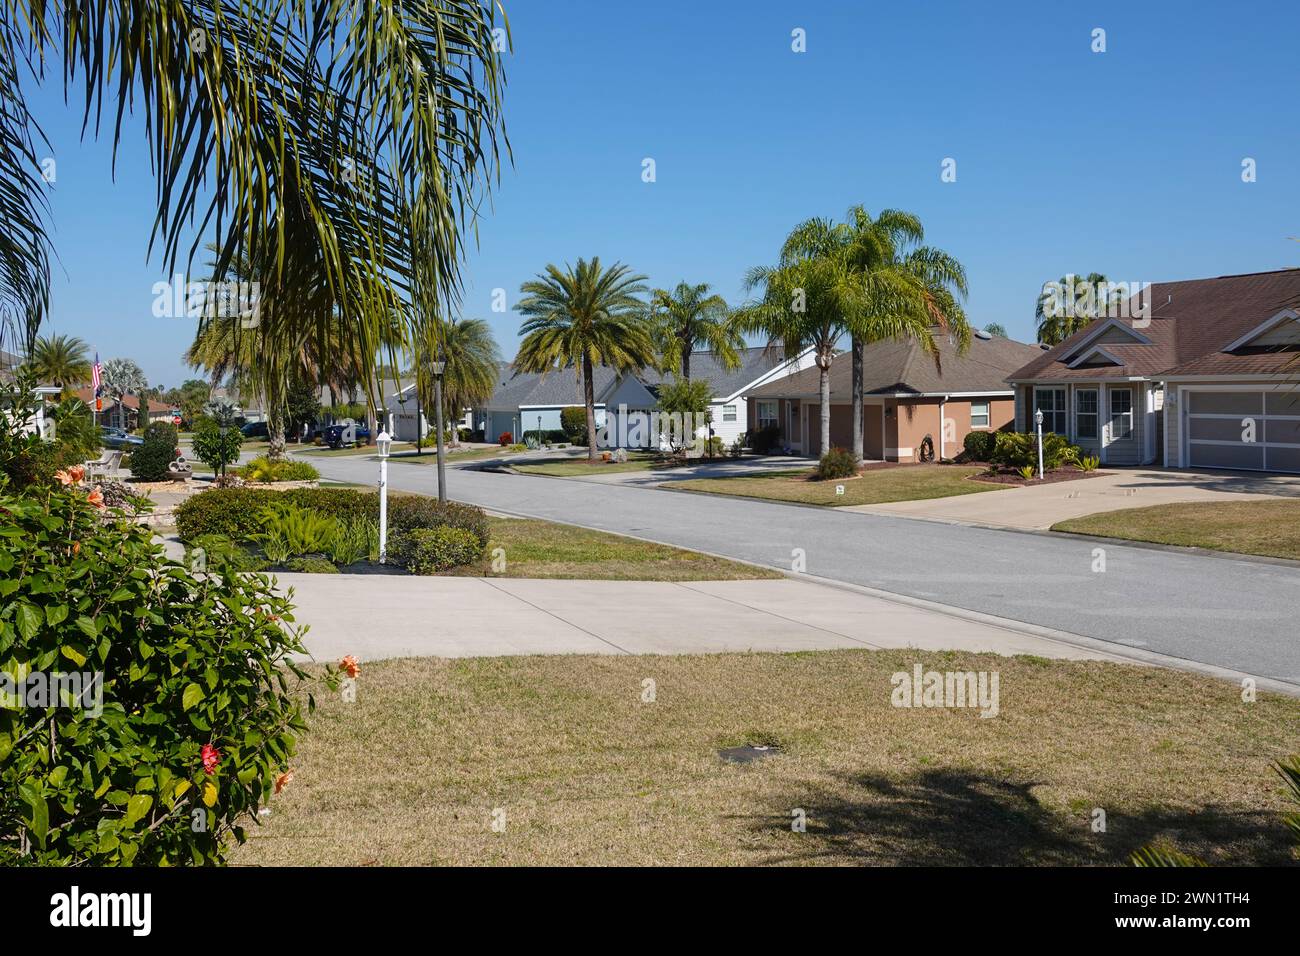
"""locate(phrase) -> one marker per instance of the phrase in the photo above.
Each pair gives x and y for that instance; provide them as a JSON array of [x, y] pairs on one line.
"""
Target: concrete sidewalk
[[376, 617], [1038, 507]]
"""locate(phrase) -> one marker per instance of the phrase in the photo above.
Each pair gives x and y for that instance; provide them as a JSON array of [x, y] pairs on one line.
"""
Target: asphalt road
[[1230, 613]]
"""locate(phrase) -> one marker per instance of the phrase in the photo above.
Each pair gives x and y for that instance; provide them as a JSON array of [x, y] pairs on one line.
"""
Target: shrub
[[464, 434], [763, 440], [412, 512], [311, 565], [149, 461], [979, 445], [1016, 449], [199, 708], [573, 422], [356, 538], [212, 551], [266, 471], [836, 463], [1088, 462], [431, 550], [291, 530], [1027, 472], [235, 512], [505, 438], [211, 447], [74, 425]]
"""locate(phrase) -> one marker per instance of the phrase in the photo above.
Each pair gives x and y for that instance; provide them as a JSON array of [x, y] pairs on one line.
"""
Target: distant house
[[46, 393], [525, 402], [1209, 377], [910, 406], [125, 414]]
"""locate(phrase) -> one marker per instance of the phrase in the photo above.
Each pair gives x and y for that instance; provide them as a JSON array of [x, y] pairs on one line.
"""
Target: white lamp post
[[384, 443], [439, 367], [1038, 422]]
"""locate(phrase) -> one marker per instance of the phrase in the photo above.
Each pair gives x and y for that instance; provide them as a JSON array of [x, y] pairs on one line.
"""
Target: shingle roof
[[754, 364], [558, 387], [905, 367], [1190, 324]]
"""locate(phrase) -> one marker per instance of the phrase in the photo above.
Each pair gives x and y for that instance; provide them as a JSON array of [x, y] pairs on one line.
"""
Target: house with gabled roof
[[1208, 377], [913, 408]]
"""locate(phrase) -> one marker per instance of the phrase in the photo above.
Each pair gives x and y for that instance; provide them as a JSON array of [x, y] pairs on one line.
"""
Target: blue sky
[[1126, 162]]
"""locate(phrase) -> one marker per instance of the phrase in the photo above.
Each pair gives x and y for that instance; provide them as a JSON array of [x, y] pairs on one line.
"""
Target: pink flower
[[211, 757], [96, 498]]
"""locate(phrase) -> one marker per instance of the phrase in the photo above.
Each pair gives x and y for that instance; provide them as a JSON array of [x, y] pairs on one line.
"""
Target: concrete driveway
[[1038, 507]]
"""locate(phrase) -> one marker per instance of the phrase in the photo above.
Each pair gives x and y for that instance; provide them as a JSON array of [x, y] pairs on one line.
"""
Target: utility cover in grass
[[747, 753]]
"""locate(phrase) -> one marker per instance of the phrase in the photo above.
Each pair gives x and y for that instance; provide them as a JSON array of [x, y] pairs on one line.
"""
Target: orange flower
[[77, 472], [96, 498], [76, 547], [350, 665], [284, 780], [64, 476]]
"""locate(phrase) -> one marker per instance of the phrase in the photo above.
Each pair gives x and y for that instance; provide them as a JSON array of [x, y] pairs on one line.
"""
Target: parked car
[[332, 435], [256, 430], [118, 439]]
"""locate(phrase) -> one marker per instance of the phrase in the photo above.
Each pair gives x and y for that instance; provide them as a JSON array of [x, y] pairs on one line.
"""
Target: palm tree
[[802, 305], [122, 377], [1057, 321], [896, 287], [688, 317], [354, 142], [471, 362], [997, 330], [61, 360], [582, 318]]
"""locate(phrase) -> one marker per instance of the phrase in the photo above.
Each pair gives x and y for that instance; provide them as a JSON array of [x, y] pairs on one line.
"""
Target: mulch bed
[[1006, 476]]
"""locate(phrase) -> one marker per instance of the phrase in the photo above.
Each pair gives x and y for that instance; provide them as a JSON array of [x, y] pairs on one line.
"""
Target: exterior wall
[[1172, 417], [730, 431], [1131, 451]]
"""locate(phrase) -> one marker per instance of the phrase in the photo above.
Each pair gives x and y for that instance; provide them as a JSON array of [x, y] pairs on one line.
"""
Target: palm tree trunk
[[858, 348], [686, 365], [589, 396], [826, 404], [275, 436]]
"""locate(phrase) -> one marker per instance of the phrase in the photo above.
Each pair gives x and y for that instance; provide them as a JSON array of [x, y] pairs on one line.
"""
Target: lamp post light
[[438, 368], [384, 443], [1038, 423], [539, 431]]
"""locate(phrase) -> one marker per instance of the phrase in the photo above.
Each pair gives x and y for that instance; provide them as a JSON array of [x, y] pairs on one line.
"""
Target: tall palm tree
[[354, 141], [471, 363], [1055, 321], [689, 317], [62, 360], [803, 304], [582, 318], [896, 287]]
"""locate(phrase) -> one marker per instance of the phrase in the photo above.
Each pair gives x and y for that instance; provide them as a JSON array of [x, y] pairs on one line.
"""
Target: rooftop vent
[[981, 334]]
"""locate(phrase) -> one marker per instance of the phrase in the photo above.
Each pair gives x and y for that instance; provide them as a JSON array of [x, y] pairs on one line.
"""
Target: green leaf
[[88, 626], [193, 694], [73, 654], [136, 808], [29, 621], [39, 818], [56, 614]]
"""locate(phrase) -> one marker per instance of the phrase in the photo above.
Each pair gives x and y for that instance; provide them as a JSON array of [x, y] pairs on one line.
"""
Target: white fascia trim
[[786, 367], [1284, 316], [1111, 323], [1293, 377], [1097, 350]]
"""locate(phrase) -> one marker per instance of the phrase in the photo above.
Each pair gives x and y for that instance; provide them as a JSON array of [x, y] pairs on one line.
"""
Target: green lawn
[[324, 452], [584, 772], [876, 486], [430, 457], [1269, 528], [541, 549], [570, 467]]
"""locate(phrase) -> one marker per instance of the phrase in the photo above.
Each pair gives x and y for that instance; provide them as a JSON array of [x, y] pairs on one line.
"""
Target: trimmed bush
[[979, 445], [505, 438], [211, 447], [194, 718], [432, 550], [149, 461], [412, 512], [573, 422], [234, 512], [312, 565], [763, 440], [836, 463], [1016, 450], [266, 471]]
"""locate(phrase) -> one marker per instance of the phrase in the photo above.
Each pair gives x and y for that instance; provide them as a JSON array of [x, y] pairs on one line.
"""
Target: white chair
[[105, 466]]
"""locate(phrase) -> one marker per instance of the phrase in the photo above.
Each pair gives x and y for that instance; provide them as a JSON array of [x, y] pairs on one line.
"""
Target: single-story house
[[127, 414], [910, 406], [524, 402], [1208, 378]]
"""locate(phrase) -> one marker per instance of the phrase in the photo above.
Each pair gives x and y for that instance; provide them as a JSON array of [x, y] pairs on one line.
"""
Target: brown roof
[[1191, 323], [87, 395], [905, 367]]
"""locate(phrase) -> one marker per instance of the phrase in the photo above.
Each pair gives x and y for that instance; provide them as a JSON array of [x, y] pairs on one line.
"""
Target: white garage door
[[1255, 430]]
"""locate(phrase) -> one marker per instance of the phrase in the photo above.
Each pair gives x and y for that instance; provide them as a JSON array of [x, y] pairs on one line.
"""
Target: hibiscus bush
[[199, 708]]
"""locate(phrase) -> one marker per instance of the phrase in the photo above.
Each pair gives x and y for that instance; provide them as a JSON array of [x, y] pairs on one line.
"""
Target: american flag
[[95, 371]]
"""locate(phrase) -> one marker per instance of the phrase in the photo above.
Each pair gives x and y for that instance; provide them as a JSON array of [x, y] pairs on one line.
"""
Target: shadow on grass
[[948, 817]]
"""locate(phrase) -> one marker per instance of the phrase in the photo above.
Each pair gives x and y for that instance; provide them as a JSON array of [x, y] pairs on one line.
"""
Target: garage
[[1245, 429]]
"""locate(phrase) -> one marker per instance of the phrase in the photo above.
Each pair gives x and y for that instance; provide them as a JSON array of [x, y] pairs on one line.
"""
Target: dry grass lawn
[[570, 467], [542, 549], [876, 486], [1270, 528], [587, 773]]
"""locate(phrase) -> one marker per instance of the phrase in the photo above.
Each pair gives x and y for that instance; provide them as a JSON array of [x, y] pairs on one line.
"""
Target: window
[[1051, 402], [767, 414], [728, 413], [1085, 414], [1121, 414], [979, 414]]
